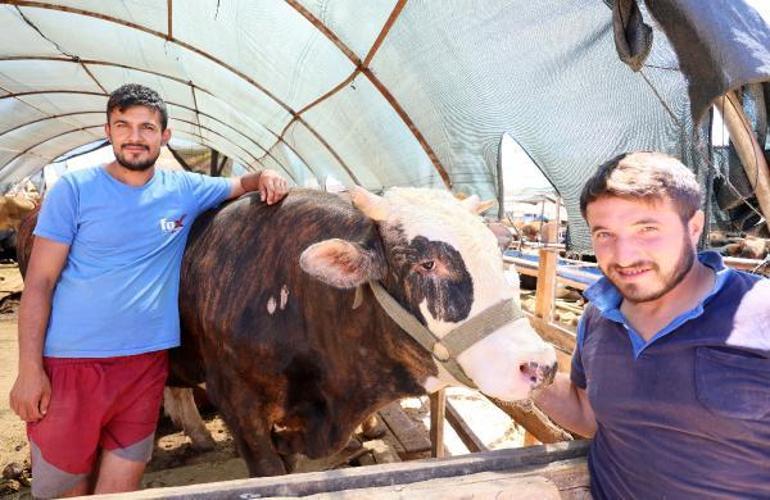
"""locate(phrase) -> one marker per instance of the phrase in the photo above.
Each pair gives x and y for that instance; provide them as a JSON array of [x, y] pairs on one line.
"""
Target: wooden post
[[535, 422], [546, 277], [751, 154], [437, 414]]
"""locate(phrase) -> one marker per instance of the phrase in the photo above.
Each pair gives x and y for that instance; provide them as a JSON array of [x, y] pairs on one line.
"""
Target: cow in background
[[13, 210]]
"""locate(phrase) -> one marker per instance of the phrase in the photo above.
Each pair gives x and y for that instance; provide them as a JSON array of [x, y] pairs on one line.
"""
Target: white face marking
[[493, 363], [271, 305], [284, 296]]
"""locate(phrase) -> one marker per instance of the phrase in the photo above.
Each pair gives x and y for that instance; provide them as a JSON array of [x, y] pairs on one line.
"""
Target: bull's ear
[[476, 206], [341, 263]]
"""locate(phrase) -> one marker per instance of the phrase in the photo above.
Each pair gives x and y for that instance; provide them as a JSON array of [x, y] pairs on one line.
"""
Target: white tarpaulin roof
[[374, 92]]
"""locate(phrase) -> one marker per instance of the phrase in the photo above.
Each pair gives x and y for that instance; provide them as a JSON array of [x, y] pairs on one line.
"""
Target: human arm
[[568, 405], [271, 186], [32, 390]]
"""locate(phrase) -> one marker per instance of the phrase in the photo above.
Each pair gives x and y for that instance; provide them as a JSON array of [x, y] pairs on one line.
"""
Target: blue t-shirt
[[118, 291], [687, 414]]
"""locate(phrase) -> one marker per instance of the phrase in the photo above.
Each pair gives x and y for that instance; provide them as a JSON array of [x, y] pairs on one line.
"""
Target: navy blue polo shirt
[[687, 414]]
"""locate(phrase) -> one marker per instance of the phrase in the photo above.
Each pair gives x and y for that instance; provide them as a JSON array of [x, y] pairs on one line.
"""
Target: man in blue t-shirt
[[671, 373], [99, 308]]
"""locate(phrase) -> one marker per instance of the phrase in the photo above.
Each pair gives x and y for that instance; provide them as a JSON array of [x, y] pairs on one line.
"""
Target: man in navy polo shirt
[[671, 374]]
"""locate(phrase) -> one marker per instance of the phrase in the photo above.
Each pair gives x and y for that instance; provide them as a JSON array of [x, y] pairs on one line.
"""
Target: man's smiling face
[[642, 246], [136, 136]]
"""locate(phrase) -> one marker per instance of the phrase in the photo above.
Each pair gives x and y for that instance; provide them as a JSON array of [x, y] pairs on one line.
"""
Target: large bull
[[280, 323]]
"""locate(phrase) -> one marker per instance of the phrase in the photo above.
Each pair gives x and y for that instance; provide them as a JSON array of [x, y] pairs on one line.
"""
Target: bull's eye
[[428, 265]]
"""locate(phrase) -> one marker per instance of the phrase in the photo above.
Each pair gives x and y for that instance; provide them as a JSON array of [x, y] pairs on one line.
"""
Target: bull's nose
[[538, 374]]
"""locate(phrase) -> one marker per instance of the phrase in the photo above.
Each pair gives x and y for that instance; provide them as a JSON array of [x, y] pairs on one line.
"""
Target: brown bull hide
[[288, 362]]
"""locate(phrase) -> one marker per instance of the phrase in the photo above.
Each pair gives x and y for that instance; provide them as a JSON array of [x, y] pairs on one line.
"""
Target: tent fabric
[[722, 44], [382, 92]]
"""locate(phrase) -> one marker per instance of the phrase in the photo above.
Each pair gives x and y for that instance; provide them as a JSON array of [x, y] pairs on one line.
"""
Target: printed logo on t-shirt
[[172, 225]]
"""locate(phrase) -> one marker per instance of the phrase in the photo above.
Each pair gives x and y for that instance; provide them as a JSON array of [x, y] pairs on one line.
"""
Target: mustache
[[635, 265]]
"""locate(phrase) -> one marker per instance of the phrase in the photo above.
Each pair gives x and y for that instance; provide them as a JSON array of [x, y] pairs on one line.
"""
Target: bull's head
[[443, 265]]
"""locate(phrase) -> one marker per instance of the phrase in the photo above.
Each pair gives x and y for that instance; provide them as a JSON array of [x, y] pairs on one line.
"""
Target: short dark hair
[[133, 94], [645, 175]]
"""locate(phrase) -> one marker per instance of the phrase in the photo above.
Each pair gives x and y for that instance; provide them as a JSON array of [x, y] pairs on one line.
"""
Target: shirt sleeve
[[577, 372], [207, 191], [58, 216]]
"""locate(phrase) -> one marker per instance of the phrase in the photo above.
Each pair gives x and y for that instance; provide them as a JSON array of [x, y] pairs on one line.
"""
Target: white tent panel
[[151, 14], [14, 112], [112, 77], [20, 76], [302, 172], [47, 126], [269, 42], [106, 41], [243, 116], [56, 104], [376, 144], [316, 155], [36, 158], [239, 93], [17, 38], [221, 135], [232, 136], [24, 138], [357, 24], [181, 113], [200, 136]]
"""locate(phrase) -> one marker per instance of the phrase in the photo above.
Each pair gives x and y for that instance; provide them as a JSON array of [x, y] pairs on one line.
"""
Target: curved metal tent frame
[[361, 68], [384, 92]]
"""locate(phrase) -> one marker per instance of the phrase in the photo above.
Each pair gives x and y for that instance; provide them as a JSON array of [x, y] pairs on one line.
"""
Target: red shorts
[[96, 403]]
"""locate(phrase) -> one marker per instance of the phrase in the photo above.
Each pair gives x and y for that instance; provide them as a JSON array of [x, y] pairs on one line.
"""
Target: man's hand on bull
[[271, 186]]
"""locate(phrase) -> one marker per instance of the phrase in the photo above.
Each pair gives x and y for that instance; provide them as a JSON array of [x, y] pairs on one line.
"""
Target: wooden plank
[[571, 477], [412, 437], [486, 485], [382, 453], [437, 416], [536, 460], [546, 284], [742, 264], [530, 439], [463, 430], [537, 423]]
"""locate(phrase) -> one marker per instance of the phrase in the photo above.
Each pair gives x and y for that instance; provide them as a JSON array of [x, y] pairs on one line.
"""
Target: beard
[[636, 295], [136, 166]]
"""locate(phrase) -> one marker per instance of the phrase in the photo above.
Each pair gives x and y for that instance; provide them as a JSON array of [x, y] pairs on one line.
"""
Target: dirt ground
[[174, 461]]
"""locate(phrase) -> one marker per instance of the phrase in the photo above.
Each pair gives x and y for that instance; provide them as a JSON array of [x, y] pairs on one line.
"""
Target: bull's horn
[[373, 206], [474, 205]]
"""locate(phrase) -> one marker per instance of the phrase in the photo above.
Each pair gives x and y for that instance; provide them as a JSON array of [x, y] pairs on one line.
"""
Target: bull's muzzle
[[539, 375]]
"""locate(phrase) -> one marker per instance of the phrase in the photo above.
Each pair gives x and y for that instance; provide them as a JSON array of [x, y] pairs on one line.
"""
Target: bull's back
[[242, 289]]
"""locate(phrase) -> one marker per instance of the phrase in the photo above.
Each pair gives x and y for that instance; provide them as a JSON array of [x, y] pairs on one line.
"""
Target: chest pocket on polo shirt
[[733, 384]]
